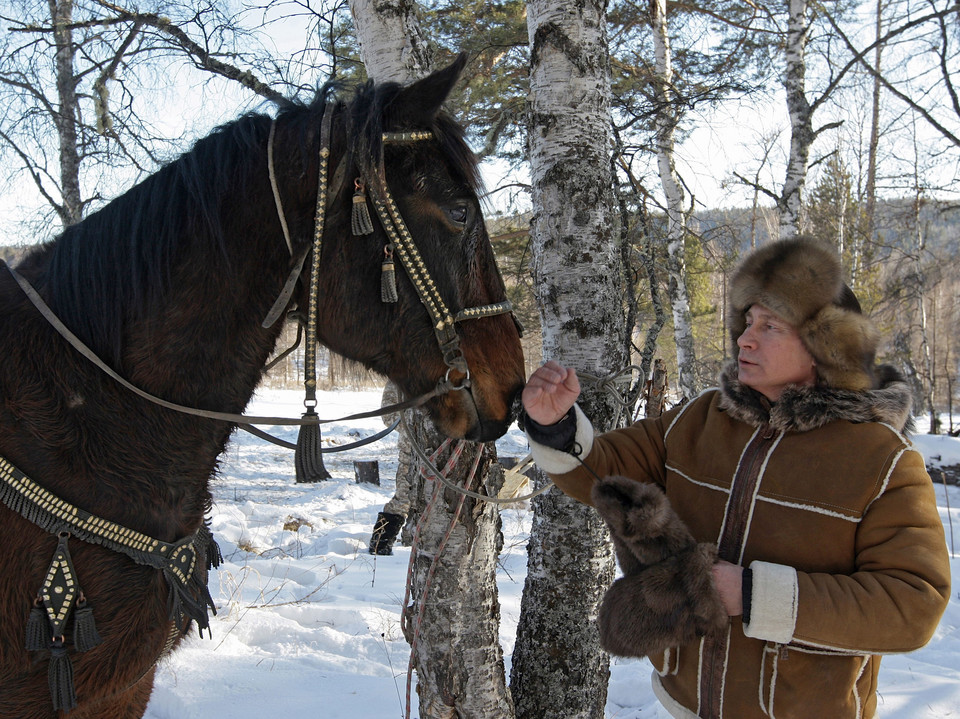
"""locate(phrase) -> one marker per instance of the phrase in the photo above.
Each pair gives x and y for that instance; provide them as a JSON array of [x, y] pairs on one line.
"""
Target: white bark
[[920, 290], [665, 122], [801, 120], [453, 619], [71, 209], [559, 669], [871, 189], [391, 43]]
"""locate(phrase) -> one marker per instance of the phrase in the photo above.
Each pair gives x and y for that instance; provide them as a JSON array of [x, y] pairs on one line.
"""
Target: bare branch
[[38, 180], [758, 187], [200, 55], [859, 58]]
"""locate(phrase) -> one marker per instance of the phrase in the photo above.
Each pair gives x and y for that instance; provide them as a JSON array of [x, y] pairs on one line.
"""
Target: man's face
[[772, 355]]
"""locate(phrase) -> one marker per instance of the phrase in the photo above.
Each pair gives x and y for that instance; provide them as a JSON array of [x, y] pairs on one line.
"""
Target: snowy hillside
[[308, 623]]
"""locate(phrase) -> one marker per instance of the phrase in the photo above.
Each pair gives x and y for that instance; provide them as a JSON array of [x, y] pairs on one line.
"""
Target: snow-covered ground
[[308, 623]]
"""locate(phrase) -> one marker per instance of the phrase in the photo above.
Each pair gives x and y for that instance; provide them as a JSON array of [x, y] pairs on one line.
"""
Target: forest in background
[[717, 238], [841, 122], [851, 135]]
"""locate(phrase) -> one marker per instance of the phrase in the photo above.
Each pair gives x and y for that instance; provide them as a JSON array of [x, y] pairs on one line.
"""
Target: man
[[831, 550]]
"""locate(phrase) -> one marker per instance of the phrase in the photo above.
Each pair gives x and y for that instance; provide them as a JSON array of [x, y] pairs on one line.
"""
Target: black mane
[[116, 265]]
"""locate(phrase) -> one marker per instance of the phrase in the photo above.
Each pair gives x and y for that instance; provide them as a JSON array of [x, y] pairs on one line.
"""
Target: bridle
[[442, 319], [400, 242]]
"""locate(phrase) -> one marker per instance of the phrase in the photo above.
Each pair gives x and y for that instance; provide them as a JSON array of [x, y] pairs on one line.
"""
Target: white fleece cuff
[[773, 603], [553, 461]]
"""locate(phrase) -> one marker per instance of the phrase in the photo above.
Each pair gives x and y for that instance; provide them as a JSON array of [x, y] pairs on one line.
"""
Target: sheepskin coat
[[823, 496]]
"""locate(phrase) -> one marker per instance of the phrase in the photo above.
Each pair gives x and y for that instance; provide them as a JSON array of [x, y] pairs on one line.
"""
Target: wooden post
[[367, 472]]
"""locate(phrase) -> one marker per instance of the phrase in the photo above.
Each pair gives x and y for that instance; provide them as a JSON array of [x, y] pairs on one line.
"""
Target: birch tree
[[453, 617], [559, 670], [928, 91], [665, 121], [801, 119], [392, 44]]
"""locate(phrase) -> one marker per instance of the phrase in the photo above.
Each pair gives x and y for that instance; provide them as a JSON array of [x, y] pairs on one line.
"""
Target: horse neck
[[203, 346]]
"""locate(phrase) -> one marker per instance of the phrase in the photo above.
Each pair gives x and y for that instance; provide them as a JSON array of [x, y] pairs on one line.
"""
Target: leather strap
[[55, 322]]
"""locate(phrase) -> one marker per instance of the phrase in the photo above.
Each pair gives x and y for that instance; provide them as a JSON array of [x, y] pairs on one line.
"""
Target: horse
[[170, 286]]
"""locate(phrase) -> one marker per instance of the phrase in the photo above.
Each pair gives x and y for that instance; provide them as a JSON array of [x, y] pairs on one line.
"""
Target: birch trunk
[[871, 189], [453, 618], [559, 670], [392, 44], [801, 120], [452, 621], [920, 281], [665, 122], [71, 209]]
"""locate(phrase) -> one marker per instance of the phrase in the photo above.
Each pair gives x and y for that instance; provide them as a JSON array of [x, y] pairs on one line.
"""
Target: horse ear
[[418, 104]]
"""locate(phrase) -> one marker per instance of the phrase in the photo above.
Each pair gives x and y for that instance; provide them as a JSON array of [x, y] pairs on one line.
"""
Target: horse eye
[[459, 213]]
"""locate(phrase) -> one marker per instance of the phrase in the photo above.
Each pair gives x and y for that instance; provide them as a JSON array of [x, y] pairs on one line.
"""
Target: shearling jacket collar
[[801, 409]]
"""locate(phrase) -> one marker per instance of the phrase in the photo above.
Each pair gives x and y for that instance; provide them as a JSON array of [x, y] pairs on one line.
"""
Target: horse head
[[404, 151]]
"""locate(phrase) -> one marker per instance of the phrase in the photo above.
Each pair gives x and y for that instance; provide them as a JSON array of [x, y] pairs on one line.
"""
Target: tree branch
[[38, 180], [200, 55], [858, 57], [758, 187]]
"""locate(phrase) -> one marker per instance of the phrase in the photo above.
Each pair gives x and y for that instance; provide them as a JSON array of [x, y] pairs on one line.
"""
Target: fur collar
[[801, 409]]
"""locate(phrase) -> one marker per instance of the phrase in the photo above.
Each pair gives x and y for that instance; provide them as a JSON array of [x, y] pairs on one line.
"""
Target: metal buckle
[[464, 383]]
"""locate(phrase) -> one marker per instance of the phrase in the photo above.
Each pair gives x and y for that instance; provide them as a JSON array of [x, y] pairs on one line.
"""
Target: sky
[[727, 139]]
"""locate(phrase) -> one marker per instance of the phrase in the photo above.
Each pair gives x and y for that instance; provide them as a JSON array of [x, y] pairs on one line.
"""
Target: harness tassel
[[38, 629], [388, 276], [307, 459], [85, 634], [60, 677], [360, 221]]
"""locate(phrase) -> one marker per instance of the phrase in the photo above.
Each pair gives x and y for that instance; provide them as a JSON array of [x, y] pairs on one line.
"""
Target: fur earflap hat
[[800, 280]]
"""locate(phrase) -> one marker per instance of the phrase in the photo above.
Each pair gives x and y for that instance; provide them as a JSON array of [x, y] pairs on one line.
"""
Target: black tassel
[[175, 614], [60, 677], [308, 459], [85, 634], [214, 555], [388, 277], [208, 548], [38, 630], [360, 221]]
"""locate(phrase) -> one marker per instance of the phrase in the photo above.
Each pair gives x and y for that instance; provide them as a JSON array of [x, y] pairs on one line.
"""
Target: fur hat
[[666, 596], [800, 280]]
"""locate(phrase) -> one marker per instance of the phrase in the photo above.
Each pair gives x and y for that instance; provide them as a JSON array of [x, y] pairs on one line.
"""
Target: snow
[[308, 623]]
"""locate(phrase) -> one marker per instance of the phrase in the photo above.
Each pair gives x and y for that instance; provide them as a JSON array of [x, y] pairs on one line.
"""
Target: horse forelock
[[369, 116]]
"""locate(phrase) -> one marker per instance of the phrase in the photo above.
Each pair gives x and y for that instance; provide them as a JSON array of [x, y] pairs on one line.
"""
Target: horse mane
[[116, 265]]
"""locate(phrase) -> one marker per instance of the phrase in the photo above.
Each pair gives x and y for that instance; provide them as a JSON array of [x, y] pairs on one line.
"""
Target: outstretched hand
[[550, 393]]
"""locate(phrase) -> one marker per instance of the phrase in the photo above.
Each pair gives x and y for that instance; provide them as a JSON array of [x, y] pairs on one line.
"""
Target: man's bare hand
[[550, 393], [729, 581]]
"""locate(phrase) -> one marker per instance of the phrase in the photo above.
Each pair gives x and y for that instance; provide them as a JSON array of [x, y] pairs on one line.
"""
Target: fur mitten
[[666, 597]]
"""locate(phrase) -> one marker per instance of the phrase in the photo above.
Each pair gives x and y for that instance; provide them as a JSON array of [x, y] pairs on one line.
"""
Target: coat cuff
[[555, 461], [773, 602]]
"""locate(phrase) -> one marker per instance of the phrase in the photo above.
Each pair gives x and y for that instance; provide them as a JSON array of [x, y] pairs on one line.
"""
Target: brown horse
[[170, 284]]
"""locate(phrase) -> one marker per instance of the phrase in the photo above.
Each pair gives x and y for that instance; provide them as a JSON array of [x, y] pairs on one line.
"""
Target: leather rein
[[400, 240]]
